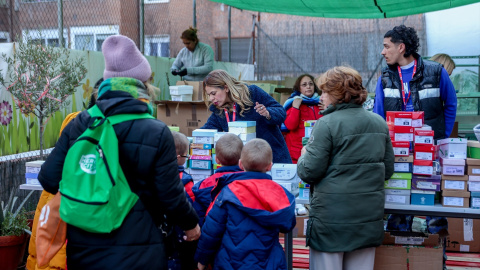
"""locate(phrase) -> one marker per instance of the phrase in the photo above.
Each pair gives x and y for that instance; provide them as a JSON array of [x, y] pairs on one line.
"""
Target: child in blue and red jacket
[[227, 153], [242, 225], [182, 255]]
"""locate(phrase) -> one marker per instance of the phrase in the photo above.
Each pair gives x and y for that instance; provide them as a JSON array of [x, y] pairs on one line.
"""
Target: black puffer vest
[[425, 88]]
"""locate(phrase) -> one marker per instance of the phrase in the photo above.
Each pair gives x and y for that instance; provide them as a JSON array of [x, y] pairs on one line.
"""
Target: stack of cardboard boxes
[[200, 161], [453, 153]]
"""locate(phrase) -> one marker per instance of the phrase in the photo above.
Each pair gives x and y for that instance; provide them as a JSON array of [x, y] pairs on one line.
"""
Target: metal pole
[[229, 34], [194, 13], [11, 37], [259, 77], [60, 22], [252, 43], [141, 26]]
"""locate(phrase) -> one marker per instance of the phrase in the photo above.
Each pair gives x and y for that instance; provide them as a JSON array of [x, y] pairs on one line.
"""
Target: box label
[[203, 139], [393, 183], [476, 171], [283, 174], [399, 151], [395, 199], [467, 229], [475, 202], [453, 201], [424, 155], [200, 152], [417, 123], [454, 184], [401, 167], [424, 139], [200, 164], [404, 137], [406, 122], [402, 240], [474, 186], [464, 248], [426, 185], [422, 169]]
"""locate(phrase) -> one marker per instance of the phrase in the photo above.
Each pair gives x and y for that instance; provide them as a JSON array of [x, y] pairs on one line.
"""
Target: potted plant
[[13, 231]]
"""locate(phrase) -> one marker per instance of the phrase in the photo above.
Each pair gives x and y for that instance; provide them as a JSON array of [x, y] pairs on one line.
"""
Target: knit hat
[[123, 59]]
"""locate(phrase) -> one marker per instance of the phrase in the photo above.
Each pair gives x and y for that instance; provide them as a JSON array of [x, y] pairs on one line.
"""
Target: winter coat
[[241, 229], [295, 123], [348, 158], [202, 190], [148, 160], [266, 129]]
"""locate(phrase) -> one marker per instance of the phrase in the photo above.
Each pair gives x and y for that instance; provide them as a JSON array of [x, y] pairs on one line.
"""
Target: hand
[[297, 102], [200, 266], [321, 106], [262, 110], [303, 151], [182, 72], [193, 234], [174, 72]]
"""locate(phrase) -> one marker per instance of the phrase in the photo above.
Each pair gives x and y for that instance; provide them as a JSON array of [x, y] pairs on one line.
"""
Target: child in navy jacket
[[227, 153], [242, 225]]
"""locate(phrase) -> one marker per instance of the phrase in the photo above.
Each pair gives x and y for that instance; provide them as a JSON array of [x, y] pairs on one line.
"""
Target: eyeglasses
[[306, 84], [185, 156]]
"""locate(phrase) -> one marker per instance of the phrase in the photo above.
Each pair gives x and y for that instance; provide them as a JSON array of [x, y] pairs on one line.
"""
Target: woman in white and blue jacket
[[233, 100]]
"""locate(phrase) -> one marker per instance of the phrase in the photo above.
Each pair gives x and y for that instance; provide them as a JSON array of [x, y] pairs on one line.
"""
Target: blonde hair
[[181, 143], [238, 93], [256, 155], [446, 61], [343, 84], [228, 149]]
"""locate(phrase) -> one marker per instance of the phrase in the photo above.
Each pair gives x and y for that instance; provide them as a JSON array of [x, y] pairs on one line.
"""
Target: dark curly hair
[[407, 36]]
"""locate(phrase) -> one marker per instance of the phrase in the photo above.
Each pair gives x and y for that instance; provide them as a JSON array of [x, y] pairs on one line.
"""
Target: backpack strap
[[95, 112]]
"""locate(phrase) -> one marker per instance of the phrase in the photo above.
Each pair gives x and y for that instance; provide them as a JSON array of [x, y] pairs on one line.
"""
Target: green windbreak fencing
[[352, 9]]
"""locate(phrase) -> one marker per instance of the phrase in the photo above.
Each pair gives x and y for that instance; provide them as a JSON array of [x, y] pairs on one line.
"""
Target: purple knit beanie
[[123, 59]]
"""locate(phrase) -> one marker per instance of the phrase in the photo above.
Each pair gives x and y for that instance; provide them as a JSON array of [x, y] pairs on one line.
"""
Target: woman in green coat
[[346, 161]]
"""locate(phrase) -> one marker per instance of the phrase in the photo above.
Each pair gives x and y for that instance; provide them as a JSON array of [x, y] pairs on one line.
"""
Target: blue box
[[203, 133], [242, 124], [403, 167], [421, 197]]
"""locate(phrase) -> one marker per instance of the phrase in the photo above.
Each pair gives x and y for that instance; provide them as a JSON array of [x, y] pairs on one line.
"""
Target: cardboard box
[[285, 93], [423, 167], [426, 183], [403, 134], [418, 119], [408, 257], [473, 170], [398, 175], [403, 167], [300, 229], [399, 118], [453, 148], [404, 159], [422, 197], [197, 93], [424, 137], [398, 184], [424, 152], [454, 185], [455, 177], [188, 116], [473, 186], [401, 148], [464, 235], [456, 198], [473, 149], [473, 161]]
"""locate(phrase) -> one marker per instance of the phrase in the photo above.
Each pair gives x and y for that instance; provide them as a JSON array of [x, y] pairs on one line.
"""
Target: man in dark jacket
[[148, 159], [410, 83]]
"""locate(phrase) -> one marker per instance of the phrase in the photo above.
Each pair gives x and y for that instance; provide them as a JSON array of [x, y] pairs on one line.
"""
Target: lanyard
[[234, 113], [401, 82]]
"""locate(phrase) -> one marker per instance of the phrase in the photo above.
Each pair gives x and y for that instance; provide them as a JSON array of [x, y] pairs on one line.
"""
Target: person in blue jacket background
[[410, 83], [249, 211], [232, 100]]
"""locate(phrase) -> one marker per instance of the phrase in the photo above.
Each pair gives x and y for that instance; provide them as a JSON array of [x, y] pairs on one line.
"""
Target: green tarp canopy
[[353, 9]]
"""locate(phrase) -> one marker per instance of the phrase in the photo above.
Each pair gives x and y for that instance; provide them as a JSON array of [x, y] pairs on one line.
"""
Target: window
[[45, 36], [157, 45], [91, 38]]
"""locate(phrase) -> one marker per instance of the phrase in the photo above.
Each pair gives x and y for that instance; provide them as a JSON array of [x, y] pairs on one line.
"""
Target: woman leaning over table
[[347, 159], [233, 100], [303, 105]]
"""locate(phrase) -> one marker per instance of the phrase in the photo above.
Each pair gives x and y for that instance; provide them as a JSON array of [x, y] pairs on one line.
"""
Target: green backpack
[[96, 196]]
